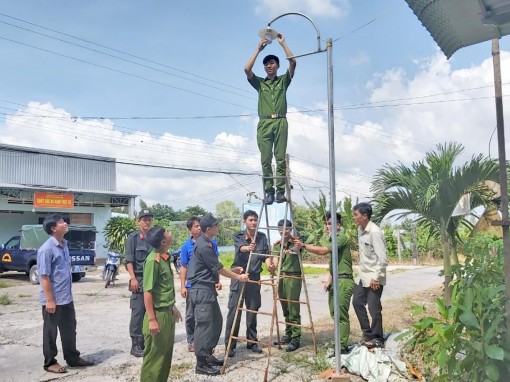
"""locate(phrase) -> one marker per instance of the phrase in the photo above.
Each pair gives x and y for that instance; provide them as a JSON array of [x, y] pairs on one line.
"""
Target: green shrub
[[466, 342]]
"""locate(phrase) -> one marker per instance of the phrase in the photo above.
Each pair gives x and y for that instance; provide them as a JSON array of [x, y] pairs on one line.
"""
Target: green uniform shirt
[[344, 254], [272, 94], [290, 262], [159, 280]]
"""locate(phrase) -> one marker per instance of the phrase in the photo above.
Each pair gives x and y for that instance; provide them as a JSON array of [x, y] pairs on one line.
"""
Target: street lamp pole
[[332, 195], [332, 181]]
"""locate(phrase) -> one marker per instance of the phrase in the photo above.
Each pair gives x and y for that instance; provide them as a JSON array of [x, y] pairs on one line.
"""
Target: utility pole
[[415, 245], [502, 177]]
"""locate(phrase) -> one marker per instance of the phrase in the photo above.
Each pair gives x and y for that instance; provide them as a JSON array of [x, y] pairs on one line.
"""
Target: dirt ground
[[102, 332]]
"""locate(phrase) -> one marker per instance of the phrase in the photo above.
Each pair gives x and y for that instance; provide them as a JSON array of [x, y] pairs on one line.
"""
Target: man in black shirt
[[245, 242], [203, 274], [137, 250]]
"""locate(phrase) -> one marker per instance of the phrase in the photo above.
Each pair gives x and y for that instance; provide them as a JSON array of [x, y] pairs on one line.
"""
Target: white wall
[[10, 223]]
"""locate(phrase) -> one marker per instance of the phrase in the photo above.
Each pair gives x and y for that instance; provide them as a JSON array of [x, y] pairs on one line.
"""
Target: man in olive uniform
[[161, 313], [272, 129], [345, 278], [245, 242], [289, 287], [137, 249], [203, 274]]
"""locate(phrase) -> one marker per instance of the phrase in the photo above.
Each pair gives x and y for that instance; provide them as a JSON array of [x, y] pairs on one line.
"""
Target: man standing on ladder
[[345, 278], [272, 129], [245, 242], [289, 287]]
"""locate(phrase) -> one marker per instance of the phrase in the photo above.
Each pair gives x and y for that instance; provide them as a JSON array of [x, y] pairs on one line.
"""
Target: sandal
[[56, 368]]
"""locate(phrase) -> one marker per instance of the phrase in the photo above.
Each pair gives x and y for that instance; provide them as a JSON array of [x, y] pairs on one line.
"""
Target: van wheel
[[76, 277], [33, 275]]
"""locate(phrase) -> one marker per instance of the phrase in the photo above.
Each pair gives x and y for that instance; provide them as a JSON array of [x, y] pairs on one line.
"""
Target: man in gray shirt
[[373, 262], [56, 297]]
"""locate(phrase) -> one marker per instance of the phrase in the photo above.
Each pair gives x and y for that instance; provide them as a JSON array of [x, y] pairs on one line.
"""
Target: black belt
[[344, 276], [272, 116], [291, 273], [164, 308]]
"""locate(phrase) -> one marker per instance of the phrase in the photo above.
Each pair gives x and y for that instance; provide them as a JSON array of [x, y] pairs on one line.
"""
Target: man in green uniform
[[160, 311], [272, 129], [345, 279], [137, 249], [289, 287]]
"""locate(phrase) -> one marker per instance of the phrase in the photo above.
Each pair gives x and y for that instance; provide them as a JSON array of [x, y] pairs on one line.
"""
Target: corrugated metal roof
[[24, 165], [53, 152], [61, 189], [454, 24]]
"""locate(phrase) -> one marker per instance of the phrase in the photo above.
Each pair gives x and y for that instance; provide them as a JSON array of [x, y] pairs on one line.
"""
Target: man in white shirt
[[373, 262]]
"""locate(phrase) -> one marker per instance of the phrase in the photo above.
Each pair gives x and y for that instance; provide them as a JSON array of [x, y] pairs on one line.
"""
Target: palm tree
[[431, 189]]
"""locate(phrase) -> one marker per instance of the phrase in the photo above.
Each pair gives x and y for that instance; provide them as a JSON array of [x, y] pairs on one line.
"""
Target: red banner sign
[[52, 200]]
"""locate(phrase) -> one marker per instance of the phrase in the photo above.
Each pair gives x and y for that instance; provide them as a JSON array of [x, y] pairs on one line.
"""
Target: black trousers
[[137, 306], [63, 321], [190, 320], [367, 297], [208, 320], [252, 300]]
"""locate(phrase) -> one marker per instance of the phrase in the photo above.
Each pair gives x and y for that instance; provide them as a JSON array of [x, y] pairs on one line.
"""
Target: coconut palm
[[430, 189]]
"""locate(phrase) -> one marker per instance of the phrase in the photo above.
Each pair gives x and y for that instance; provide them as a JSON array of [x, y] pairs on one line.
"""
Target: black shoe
[[232, 352], [280, 197], [207, 369], [283, 341], [254, 348], [269, 199], [293, 346], [136, 350], [212, 360]]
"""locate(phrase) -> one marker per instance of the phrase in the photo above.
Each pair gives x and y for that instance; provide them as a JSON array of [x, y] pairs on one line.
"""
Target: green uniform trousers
[[157, 357], [272, 133], [345, 289], [290, 289]]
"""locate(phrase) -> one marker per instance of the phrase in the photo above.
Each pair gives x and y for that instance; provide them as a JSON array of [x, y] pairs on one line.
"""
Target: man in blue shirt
[[187, 249], [54, 268]]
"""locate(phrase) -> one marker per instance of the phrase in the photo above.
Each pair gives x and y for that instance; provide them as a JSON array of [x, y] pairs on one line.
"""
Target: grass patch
[[398, 270], [315, 363], [227, 259], [5, 299], [177, 371], [3, 284]]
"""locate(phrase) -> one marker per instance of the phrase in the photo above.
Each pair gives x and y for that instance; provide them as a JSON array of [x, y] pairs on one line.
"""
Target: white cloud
[[324, 8], [360, 59], [410, 123]]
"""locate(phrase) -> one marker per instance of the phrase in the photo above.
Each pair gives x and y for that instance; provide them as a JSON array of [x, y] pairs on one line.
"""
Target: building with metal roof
[[35, 182]]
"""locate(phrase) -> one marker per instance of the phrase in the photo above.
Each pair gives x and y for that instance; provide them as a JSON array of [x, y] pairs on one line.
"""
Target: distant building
[[35, 182]]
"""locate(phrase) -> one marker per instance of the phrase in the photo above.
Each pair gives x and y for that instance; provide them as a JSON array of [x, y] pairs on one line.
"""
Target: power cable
[[120, 51], [121, 72]]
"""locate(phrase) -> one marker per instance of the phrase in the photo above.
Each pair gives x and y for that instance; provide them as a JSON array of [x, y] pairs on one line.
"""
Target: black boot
[[141, 342], [212, 360], [136, 349], [204, 368]]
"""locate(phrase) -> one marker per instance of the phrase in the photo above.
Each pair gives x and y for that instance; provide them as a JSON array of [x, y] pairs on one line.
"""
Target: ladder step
[[268, 344], [294, 301], [292, 324], [256, 311], [262, 282], [265, 254], [290, 277]]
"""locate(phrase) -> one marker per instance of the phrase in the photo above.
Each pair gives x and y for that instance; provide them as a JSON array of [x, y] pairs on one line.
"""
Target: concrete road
[[103, 318]]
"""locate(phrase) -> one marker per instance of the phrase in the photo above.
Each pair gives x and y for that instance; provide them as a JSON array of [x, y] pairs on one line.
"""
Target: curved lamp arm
[[311, 21]]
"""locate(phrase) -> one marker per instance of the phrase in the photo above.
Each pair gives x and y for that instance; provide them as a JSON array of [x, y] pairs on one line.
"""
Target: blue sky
[[184, 61]]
